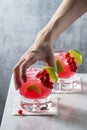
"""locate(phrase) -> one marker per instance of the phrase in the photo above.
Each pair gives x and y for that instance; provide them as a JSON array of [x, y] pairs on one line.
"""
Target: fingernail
[[16, 86]]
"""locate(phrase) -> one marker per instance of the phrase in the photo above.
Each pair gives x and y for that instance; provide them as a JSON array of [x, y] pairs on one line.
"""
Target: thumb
[[51, 62]]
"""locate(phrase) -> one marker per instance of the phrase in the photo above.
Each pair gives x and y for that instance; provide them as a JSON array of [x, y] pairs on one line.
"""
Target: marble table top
[[72, 113]]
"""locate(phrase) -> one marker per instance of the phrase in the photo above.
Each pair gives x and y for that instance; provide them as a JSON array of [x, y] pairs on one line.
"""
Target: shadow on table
[[72, 116]]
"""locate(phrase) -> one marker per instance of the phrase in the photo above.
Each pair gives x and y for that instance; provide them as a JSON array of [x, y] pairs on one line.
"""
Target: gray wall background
[[20, 20]]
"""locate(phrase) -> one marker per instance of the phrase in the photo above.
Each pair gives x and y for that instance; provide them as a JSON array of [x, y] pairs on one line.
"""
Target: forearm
[[66, 14], [60, 24]]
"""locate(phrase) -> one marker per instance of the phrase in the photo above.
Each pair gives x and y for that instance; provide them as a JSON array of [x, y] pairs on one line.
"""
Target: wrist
[[45, 35], [53, 29]]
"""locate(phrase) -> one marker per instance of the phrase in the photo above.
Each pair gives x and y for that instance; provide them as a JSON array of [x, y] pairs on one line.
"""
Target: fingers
[[50, 58], [51, 62], [19, 71], [16, 79], [24, 66], [16, 75], [29, 58]]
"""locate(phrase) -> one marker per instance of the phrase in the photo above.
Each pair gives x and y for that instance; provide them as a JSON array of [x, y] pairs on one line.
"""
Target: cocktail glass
[[67, 69], [34, 96]]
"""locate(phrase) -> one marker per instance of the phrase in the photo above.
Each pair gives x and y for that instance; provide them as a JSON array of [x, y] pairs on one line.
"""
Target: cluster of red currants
[[45, 79], [71, 61]]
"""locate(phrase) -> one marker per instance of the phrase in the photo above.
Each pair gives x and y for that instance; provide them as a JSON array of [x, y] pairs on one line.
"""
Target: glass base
[[66, 84], [35, 105]]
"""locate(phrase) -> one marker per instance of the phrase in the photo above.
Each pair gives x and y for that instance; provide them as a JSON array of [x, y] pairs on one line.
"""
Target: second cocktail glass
[[66, 62]]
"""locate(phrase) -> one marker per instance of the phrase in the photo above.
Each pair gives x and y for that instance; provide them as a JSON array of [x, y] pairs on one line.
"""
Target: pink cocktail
[[66, 71], [35, 94], [33, 88], [66, 67]]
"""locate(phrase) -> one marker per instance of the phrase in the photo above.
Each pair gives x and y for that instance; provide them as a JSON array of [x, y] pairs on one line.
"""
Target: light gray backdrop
[[20, 20]]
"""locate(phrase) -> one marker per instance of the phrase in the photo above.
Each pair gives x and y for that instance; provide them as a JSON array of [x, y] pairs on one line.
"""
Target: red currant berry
[[38, 74], [45, 79], [44, 72], [71, 61], [51, 85], [67, 55], [20, 112]]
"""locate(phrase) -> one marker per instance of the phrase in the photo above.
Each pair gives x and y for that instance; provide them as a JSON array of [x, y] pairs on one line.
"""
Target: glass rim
[[60, 50]]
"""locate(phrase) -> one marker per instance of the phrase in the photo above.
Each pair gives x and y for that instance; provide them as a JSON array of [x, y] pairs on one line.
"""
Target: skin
[[68, 12]]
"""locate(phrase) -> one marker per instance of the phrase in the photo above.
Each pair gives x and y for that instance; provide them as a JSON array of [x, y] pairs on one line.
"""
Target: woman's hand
[[64, 16], [40, 50]]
